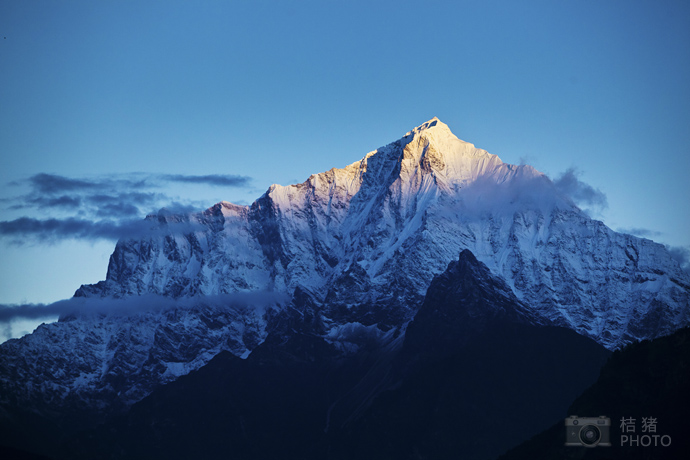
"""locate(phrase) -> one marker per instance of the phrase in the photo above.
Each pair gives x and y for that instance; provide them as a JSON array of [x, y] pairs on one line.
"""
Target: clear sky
[[110, 110]]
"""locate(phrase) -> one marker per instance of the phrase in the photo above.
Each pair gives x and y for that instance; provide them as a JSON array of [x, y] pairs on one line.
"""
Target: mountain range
[[339, 269]]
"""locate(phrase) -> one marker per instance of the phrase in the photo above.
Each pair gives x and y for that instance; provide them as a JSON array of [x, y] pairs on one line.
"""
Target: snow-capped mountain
[[367, 239], [356, 248]]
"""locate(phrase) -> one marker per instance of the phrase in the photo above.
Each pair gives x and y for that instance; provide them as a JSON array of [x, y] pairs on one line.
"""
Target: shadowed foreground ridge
[[300, 399], [649, 379]]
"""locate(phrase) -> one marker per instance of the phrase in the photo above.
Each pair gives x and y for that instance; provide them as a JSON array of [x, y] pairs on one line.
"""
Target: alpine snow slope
[[367, 239], [351, 252]]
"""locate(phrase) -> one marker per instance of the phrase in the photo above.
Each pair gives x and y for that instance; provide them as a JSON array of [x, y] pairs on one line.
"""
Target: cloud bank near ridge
[[580, 192], [81, 306], [19, 318], [106, 207], [53, 230], [681, 255]]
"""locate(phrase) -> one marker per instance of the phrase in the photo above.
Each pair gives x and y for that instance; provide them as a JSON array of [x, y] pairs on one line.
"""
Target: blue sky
[[182, 104]]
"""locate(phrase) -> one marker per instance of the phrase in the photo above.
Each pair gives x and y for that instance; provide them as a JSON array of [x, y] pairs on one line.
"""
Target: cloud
[[52, 230], [177, 209], [139, 198], [120, 210], [102, 207], [221, 180], [681, 255], [61, 191], [53, 191], [55, 184], [485, 196], [641, 232], [89, 307], [51, 183], [115, 204], [123, 205], [62, 202], [581, 193]]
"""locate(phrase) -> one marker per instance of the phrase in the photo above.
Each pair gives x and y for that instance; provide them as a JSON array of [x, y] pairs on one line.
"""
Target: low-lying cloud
[[81, 307], [52, 230]]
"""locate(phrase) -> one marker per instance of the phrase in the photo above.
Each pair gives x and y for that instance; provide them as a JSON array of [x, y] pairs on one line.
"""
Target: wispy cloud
[[61, 202], [123, 204], [53, 230], [102, 207], [115, 204], [56, 184], [80, 306], [219, 180], [641, 232], [681, 255], [580, 192], [51, 184]]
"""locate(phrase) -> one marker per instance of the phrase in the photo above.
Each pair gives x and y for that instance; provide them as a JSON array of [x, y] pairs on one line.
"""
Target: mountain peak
[[434, 124]]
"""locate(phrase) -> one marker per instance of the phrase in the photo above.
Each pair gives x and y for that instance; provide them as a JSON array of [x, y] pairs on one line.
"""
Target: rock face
[[461, 303], [474, 376], [108, 363], [356, 249]]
